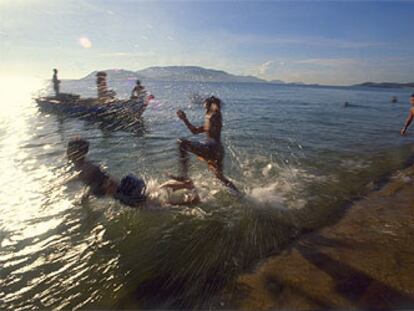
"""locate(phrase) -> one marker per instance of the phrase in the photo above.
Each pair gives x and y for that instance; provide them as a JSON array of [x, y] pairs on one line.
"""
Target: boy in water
[[410, 116], [211, 150], [130, 190]]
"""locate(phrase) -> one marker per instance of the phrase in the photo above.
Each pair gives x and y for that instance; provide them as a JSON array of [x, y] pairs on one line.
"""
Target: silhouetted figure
[[394, 99], [211, 150], [410, 116], [138, 91], [56, 82], [346, 104], [104, 94]]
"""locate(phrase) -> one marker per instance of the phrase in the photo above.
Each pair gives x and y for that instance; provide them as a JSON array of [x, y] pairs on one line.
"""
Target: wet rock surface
[[364, 261]]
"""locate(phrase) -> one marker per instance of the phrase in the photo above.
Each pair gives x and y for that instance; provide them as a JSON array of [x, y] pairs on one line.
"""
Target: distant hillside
[[386, 84], [176, 73], [277, 82], [115, 74], [192, 73]]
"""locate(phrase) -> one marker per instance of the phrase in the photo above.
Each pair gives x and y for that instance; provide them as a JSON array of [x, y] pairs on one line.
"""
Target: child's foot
[[177, 178], [178, 183]]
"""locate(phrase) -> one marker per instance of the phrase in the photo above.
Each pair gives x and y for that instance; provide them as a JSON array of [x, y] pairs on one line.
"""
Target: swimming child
[[131, 190]]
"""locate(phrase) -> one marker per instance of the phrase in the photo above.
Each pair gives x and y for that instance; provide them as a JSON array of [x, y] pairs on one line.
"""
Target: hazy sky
[[315, 41]]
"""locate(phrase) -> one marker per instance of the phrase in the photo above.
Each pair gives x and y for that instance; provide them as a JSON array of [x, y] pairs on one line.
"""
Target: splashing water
[[59, 253]]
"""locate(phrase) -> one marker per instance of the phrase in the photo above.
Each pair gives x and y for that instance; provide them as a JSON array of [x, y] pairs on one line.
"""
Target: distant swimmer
[[131, 190], [394, 99], [211, 150], [56, 82], [410, 116]]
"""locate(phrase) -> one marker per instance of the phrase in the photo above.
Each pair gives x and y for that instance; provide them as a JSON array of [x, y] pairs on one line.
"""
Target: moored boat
[[128, 110]]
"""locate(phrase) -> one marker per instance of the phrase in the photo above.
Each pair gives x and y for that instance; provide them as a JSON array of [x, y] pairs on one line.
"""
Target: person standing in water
[[211, 150], [56, 82], [410, 116]]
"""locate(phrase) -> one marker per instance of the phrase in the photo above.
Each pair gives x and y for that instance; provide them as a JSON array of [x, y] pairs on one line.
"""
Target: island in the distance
[[386, 84], [177, 73], [200, 74]]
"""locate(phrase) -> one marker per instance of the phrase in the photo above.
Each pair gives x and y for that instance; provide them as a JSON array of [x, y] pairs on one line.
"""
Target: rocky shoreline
[[364, 261]]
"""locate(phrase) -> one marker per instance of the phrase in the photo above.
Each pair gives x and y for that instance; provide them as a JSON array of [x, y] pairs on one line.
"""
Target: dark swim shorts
[[208, 151]]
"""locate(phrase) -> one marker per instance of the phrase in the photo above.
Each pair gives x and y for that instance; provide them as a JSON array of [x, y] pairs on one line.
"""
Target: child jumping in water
[[211, 150]]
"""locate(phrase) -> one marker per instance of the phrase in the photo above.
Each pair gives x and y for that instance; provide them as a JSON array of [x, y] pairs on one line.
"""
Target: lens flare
[[85, 42]]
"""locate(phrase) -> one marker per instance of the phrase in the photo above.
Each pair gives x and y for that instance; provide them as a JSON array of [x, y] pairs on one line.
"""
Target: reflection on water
[[295, 168]]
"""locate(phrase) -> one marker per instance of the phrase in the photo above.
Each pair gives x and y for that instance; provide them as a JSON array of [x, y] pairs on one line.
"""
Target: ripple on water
[[57, 253]]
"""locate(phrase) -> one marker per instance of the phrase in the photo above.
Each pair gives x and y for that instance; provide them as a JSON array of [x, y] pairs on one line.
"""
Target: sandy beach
[[364, 261]]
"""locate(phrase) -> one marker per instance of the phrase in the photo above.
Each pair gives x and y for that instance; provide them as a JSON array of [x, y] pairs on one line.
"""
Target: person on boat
[[138, 91], [105, 95], [131, 190], [410, 116], [56, 82], [211, 150]]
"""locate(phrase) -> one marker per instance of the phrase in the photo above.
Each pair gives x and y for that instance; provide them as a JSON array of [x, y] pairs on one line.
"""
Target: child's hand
[[181, 114]]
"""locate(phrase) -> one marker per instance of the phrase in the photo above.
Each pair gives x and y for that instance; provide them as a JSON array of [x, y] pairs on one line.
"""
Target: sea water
[[298, 155]]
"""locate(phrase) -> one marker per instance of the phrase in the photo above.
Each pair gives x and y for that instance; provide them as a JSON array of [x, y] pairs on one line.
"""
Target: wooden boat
[[108, 110]]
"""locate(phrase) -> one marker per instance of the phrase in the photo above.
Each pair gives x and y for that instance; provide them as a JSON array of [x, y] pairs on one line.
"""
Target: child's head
[[131, 190], [212, 104], [77, 149]]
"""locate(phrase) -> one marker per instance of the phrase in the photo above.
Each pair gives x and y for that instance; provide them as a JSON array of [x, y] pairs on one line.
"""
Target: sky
[[325, 42]]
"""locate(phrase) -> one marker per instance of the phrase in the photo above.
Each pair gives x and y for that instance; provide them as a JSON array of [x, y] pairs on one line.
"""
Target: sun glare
[[16, 90]]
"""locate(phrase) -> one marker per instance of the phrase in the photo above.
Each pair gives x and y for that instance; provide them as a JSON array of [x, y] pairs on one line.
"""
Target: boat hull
[[127, 111]]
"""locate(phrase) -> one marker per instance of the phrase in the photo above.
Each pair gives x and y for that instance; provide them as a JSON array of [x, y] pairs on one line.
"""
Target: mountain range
[[176, 73], [200, 74]]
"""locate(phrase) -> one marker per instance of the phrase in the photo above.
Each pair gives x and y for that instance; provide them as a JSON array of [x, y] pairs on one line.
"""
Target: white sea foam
[[285, 188], [269, 195]]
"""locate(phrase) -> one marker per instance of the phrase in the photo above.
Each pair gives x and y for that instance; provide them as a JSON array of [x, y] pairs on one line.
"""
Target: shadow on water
[[186, 261], [360, 289]]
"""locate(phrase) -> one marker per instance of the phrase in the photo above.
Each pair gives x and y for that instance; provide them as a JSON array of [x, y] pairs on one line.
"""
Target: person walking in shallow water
[[410, 116], [211, 150], [56, 82]]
